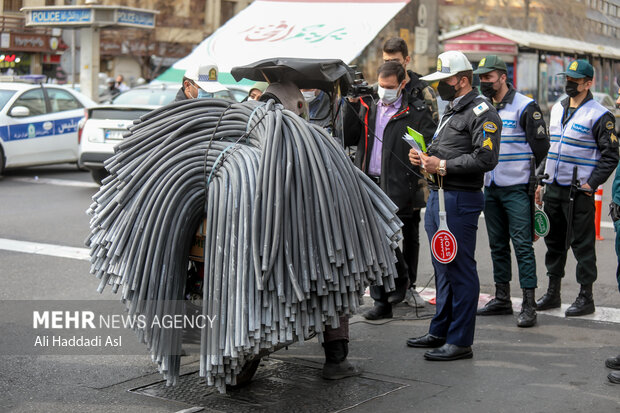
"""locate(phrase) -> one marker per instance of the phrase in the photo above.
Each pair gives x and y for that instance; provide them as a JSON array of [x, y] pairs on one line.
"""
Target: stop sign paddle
[[443, 243]]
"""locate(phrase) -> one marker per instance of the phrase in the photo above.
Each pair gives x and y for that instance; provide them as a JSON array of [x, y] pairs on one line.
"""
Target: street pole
[[89, 61]]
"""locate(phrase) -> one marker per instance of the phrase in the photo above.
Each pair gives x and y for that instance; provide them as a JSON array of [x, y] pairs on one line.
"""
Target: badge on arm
[[481, 108]]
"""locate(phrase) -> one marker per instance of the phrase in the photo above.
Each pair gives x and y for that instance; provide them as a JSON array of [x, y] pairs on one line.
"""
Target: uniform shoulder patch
[[489, 127], [481, 108], [613, 138], [609, 125], [536, 115], [487, 143]]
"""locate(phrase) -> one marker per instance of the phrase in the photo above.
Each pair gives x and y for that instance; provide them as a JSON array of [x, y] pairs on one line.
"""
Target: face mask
[[486, 88], [571, 88], [309, 95], [388, 95], [202, 94], [446, 92]]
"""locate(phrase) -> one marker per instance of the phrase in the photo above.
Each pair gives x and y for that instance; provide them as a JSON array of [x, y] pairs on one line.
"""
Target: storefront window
[[13, 5]]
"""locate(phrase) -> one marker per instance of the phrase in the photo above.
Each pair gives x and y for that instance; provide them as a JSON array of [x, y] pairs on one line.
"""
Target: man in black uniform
[[377, 130], [465, 146]]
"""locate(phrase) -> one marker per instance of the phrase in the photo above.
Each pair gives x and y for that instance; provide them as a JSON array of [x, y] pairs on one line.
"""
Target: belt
[[375, 179]]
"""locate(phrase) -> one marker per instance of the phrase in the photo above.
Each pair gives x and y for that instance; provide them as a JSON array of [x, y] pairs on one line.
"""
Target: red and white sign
[[443, 246], [481, 41]]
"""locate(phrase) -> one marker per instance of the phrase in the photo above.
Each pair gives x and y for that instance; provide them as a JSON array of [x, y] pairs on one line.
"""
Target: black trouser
[[335, 341], [583, 237], [407, 265]]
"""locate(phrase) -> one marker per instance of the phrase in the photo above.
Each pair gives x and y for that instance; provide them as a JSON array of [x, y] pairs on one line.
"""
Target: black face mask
[[486, 88], [446, 92], [571, 88]]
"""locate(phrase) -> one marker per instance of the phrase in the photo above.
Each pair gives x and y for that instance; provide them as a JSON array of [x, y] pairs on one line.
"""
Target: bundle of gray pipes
[[294, 231]]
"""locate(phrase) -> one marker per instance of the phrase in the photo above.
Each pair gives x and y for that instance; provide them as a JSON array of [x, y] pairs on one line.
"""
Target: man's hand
[[414, 158], [538, 196], [430, 164], [587, 188]]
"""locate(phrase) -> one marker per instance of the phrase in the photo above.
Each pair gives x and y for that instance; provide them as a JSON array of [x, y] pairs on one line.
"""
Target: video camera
[[360, 87]]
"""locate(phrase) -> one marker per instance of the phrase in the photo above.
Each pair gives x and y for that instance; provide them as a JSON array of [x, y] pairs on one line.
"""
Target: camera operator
[[377, 130]]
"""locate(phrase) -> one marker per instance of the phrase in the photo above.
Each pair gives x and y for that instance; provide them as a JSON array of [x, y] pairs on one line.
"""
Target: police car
[[39, 124], [104, 126]]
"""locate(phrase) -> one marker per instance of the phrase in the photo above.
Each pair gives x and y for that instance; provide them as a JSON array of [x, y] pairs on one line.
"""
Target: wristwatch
[[442, 168]]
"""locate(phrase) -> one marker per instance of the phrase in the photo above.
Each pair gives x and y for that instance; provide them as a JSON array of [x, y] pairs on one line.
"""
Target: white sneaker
[[413, 299]]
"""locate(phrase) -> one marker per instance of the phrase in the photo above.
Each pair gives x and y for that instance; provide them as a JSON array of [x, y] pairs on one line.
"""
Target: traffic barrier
[[598, 204]]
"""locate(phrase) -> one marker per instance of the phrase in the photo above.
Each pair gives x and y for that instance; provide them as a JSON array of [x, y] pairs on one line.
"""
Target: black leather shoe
[[378, 312], [426, 341], [583, 305], [449, 352], [614, 377], [613, 363]]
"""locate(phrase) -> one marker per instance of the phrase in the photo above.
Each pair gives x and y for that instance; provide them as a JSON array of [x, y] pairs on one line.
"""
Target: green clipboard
[[417, 136]]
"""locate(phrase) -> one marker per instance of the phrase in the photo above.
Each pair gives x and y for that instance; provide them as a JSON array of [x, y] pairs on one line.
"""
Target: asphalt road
[[47, 205]]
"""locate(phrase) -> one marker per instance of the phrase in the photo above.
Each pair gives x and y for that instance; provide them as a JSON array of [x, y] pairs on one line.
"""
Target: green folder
[[417, 136]]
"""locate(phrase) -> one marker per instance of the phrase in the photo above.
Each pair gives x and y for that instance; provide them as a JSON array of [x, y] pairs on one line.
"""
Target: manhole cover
[[277, 386]]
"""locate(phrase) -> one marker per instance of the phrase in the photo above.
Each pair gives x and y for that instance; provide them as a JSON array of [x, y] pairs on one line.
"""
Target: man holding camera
[[377, 129]]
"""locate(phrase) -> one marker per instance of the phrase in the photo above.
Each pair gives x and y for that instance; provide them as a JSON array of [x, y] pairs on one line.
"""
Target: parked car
[[39, 124], [103, 126], [605, 100]]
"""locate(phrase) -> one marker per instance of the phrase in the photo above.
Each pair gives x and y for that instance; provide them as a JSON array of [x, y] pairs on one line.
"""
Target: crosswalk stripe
[[45, 249], [52, 181]]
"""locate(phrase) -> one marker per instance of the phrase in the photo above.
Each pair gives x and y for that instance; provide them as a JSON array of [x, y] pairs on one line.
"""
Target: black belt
[[376, 179]]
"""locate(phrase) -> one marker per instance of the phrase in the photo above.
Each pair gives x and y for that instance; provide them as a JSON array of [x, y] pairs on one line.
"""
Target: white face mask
[[388, 96], [309, 95]]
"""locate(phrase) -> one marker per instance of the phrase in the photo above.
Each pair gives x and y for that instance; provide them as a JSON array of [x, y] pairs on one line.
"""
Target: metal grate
[[277, 386]]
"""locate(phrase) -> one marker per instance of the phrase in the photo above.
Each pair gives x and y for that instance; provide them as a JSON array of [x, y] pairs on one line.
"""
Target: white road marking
[[45, 249], [605, 314], [58, 182]]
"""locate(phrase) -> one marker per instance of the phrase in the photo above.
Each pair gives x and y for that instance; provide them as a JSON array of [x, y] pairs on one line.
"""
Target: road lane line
[[58, 182], [605, 314], [45, 249]]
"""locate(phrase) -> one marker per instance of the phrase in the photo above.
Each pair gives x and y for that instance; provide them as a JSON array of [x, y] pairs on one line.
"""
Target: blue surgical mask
[[388, 96], [202, 94]]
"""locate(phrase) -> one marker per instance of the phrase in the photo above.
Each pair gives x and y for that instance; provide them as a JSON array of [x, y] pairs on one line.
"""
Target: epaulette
[[481, 108]]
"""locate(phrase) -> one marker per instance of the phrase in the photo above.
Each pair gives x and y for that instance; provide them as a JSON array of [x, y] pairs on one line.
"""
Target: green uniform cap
[[579, 69], [490, 63]]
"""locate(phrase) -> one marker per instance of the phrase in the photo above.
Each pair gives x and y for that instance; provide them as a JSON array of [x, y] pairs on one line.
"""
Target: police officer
[[582, 135], [465, 146], [614, 362], [507, 206], [200, 82]]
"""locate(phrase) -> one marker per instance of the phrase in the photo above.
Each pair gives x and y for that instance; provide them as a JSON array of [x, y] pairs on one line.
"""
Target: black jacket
[[180, 95], [399, 179], [468, 139], [606, 140]]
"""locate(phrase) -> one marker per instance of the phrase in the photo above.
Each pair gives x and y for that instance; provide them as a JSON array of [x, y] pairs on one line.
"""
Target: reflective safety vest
[[514, 152], [573, 143]]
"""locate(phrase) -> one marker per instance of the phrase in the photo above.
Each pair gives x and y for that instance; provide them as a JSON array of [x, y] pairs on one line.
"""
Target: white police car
[[39, 124]]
